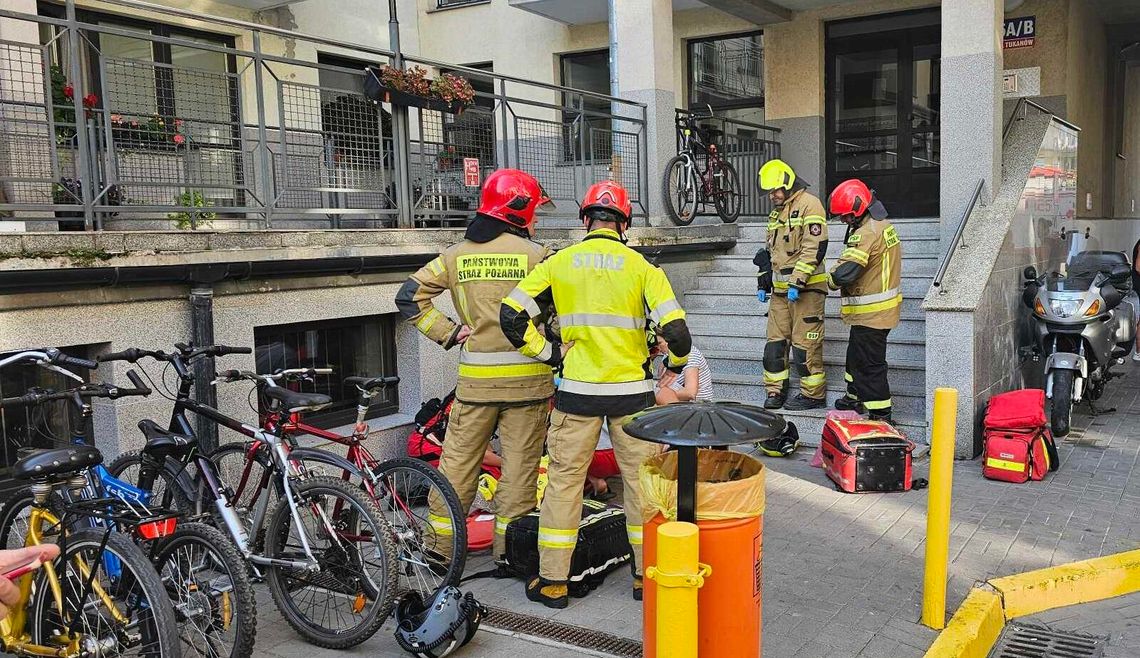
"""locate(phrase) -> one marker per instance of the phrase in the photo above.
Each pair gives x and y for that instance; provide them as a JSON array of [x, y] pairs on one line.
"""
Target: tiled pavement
[[843, 573]]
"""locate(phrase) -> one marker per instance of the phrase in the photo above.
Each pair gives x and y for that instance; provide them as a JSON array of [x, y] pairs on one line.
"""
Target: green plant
[[188, 221]]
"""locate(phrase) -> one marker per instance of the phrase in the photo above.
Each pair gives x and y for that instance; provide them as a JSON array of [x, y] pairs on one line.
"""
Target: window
[[588, 71], [727, 73], [48, 426], [444, 4], [352, 347]]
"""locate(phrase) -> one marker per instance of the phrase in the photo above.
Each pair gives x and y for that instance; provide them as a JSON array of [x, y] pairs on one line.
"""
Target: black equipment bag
[[602, 546]]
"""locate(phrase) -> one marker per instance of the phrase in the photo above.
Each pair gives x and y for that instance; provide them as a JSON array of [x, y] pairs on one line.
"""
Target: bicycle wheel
[[122, 612], [726, 193], [208, 583], [428, 560], [165, 492], [680, 191], [350, 594], [230, 460]]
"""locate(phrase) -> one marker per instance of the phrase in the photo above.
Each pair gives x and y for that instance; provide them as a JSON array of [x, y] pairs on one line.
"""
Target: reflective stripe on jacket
[[603, 292], [868, 275], [478, 275]]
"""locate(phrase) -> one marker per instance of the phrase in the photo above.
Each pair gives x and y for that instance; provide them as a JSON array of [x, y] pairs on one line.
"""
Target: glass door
[[882, 116]]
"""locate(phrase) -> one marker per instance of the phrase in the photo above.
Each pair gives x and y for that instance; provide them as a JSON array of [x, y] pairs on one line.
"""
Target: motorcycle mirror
[[1030, 273], [1120, 273]]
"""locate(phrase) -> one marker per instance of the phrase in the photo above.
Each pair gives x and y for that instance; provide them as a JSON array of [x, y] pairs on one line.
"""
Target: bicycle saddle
[[371, 383], [293, 401], [46, 463], [160, 439]]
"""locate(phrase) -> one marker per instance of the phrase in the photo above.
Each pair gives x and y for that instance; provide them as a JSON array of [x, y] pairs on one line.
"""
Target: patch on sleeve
[[815, 229], [890, 237], [854, 239]]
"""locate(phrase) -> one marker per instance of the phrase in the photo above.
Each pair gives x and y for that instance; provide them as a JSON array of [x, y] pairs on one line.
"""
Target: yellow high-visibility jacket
[[869, 276], [603, 293], [479, 274]]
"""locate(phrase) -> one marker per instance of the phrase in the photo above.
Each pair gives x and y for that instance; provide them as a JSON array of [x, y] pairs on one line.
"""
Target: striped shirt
[[704, 375]]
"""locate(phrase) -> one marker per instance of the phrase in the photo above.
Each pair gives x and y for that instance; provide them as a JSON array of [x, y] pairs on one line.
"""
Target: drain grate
[[1038, 641], [576, 636]]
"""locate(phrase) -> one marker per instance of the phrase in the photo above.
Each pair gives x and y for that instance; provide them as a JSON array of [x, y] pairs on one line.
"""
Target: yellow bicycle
[[101, 597]]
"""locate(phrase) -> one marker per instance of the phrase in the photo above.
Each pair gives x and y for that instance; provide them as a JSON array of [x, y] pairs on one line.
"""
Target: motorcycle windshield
[[1072, 283]]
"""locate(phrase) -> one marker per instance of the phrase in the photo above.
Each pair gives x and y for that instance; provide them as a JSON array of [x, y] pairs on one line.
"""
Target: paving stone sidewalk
[[843, 573]]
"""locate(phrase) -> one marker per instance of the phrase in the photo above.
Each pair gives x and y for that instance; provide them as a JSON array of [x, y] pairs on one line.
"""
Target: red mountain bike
[[688, 187]]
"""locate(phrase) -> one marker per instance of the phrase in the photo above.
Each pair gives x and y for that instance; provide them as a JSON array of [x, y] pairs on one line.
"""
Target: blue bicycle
[[204, 575]]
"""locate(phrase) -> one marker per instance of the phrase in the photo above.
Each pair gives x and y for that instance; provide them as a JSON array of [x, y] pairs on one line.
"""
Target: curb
[[978, 622]]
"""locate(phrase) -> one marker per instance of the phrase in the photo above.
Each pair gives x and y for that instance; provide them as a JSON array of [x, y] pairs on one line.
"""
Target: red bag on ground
[[1018, 444], [863, 456]]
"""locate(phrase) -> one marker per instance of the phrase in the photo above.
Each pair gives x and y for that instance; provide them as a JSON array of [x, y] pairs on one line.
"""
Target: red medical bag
[[865, 455], [1018, 444]]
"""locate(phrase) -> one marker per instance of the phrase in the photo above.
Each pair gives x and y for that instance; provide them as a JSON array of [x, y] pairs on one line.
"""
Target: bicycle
[[432, 549], [688, 187], [101, 596], [203, 573], [334, 565]]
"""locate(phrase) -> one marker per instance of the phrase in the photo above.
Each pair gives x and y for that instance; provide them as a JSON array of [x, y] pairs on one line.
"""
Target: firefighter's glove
[[762, 296], [793, 294]]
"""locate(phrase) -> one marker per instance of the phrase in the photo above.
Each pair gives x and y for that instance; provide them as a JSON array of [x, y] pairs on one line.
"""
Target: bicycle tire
[[141, 596], [360, 586], [677, 215], [726, 198], [169, 496], [188, 579], [414, 557], [229, 460]]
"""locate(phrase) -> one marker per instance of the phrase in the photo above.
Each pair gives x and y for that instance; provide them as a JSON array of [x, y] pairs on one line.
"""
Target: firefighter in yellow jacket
[[868, 277], [797, 282], [497, 386], [602, 292]]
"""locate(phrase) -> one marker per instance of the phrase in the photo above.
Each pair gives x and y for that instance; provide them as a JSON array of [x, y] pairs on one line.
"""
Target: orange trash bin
[[728, 605]]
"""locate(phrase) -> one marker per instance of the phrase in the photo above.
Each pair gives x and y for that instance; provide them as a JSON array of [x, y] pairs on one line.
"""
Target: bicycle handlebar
[[290, 374], [186, 352], [87, 391], [48, 355]]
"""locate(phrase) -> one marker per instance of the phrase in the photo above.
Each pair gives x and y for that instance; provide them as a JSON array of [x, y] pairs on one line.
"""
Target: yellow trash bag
[[730, 485]]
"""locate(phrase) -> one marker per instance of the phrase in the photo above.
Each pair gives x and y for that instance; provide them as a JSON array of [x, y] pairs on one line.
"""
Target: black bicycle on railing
[[688, 187]]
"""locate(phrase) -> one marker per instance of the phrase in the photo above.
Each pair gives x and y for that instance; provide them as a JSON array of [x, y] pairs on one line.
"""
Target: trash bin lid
[[705, 424]]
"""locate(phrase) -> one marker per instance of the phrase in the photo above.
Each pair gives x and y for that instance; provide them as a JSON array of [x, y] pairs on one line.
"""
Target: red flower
[[69, 91], [178, 123], [179, 139], [90, 100]]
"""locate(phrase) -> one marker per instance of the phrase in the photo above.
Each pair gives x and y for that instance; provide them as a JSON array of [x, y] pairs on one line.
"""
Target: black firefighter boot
[[802, 402], [776, 400], [848, 403], [549, 593]]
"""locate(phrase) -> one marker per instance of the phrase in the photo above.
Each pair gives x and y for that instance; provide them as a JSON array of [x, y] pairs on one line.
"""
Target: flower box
[[376, 89]]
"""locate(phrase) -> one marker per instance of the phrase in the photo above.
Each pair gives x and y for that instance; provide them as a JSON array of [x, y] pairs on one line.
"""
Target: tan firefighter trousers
[[522, 428], [571, 444], [801, 324]]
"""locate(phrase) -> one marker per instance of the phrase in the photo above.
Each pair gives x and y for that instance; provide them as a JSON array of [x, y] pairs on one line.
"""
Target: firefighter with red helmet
[[603, 292], [868, 276], [497, 386]]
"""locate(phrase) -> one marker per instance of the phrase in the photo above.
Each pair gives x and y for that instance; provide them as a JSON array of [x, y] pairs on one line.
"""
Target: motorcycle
[[1085, 324]]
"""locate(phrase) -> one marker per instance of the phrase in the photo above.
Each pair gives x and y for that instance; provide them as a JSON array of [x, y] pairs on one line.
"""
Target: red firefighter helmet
[[608, 195], [512, 196], [852, 199]]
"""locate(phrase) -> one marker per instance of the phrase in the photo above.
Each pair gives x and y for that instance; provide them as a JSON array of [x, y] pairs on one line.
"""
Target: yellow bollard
[[938, 507], [678, 575]]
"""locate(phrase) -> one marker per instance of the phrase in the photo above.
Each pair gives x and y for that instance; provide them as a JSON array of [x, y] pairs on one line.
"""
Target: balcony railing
[[239, 132], [747, 146]]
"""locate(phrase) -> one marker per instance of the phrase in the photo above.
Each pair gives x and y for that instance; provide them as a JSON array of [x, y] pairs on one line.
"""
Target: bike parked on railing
[[401, 487], [327, 552], [688, 187]]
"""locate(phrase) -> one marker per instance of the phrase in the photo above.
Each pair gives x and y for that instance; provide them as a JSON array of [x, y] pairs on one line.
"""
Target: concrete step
[[912, 286], [834, 345], [733, 302], [912, 246], [810, 426], [907, 227], [709, 322], [910, 374], [923, 265], [907, 401]]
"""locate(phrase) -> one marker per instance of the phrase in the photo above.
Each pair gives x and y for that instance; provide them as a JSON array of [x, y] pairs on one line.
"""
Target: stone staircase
[[729, 326]]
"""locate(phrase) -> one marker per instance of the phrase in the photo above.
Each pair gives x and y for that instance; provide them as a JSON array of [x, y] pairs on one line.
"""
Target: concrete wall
[[1087, 93], [1127, 178]]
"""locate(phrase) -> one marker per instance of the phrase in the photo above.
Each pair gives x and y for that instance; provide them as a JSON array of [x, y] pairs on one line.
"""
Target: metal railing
[[238, 132], [746, 146], [956, 242]]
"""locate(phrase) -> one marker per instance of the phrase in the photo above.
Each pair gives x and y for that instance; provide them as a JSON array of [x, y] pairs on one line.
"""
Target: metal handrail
[[958, 233]]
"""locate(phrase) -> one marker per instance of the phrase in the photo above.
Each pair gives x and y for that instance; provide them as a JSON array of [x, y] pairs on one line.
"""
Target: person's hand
[[793, 293], [463, 335], [14, 559], [667, 378], [762, 296], [565, 347]]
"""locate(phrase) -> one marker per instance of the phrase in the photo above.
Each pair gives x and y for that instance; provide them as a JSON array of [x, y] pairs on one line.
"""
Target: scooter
[[1085, 325]]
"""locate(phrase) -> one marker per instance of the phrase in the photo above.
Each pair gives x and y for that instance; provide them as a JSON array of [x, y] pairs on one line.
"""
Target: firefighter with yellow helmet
[[497, 387], [603, 292], [792, 275]]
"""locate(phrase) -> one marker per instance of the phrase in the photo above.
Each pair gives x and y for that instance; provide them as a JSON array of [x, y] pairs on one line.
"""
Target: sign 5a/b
[[1019, 32]]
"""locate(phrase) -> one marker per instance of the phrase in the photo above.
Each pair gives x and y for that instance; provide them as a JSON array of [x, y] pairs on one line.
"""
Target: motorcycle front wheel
[[1061, 410]]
